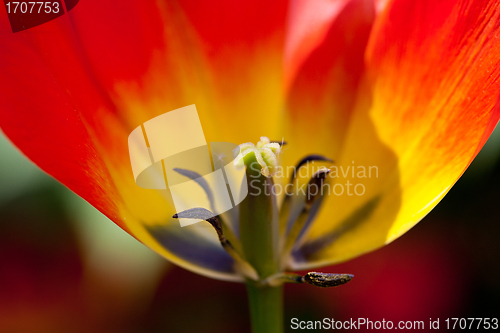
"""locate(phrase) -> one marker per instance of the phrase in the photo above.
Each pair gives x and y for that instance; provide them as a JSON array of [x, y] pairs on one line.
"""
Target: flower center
[[268, 234], [266, 153]]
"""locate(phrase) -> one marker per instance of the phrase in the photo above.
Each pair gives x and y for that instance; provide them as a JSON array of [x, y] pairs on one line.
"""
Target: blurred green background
[[66, 268]]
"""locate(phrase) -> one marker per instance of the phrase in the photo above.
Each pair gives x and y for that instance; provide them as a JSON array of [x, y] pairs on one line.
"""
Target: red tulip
[[407, 87]]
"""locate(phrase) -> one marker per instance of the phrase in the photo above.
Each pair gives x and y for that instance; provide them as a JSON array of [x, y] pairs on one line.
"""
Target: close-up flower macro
[[249, 166]]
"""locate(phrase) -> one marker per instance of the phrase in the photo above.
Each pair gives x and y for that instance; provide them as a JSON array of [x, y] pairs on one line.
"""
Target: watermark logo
[[29, 14], [170, 151]]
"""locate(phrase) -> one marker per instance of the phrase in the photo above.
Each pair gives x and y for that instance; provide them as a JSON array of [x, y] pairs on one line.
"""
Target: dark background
[[66, 268]]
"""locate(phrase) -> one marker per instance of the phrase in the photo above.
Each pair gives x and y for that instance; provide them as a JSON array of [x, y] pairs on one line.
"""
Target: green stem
[[259, 234], [266, 308], [259, 229]]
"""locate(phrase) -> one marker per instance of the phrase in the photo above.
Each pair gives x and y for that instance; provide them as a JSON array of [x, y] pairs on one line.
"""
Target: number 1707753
[[472, 323], [32, 7]]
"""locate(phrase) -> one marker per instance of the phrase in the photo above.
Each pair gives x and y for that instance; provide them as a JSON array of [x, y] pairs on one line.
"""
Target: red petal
[[430, 102], [325, 86]]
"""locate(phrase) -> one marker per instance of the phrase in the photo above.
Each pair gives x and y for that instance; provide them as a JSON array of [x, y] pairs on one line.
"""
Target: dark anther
[[322, 280], [205, 214], [325, 280], [307, 159], [314, 188]]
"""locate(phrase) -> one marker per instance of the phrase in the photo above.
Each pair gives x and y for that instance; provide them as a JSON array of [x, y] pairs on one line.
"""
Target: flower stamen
[[284, 216], [315, 183], [204, 214], [317, 279]]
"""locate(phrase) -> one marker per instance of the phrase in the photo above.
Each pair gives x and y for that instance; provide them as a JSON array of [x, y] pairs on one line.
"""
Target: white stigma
[[266, 154]]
